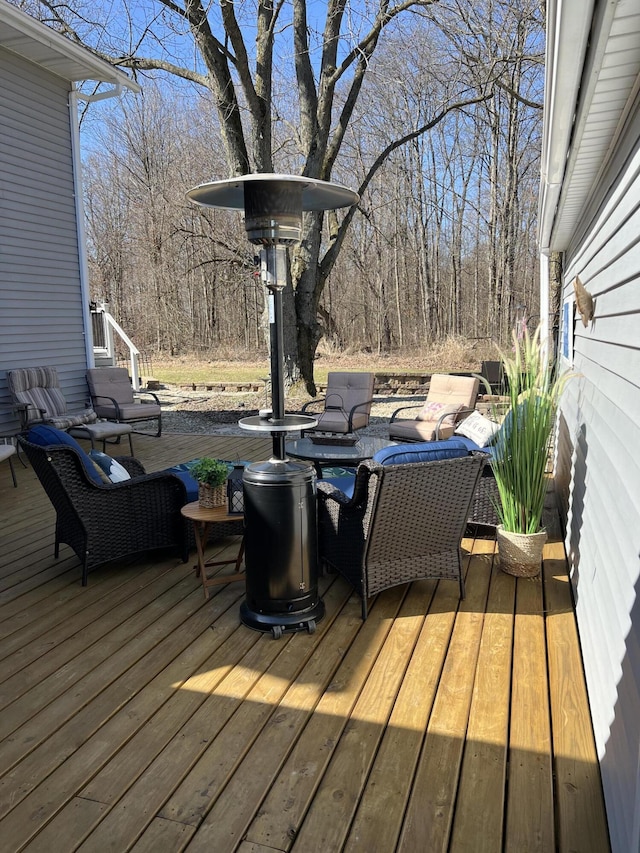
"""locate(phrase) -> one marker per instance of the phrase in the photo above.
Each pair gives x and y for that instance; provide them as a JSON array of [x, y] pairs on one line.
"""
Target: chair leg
[[85, 570], [13, 473]]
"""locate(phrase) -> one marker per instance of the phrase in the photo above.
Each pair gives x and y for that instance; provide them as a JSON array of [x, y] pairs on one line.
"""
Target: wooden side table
[[203, 518]]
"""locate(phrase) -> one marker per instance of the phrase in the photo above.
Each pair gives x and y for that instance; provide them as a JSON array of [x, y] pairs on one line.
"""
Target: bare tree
[[237, 52]]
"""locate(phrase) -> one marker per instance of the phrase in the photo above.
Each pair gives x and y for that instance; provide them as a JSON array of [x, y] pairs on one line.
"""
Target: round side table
[[203, 518]]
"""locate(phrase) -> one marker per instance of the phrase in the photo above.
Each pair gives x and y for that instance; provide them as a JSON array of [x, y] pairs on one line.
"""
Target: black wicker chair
[[404, 522], [109, 521]]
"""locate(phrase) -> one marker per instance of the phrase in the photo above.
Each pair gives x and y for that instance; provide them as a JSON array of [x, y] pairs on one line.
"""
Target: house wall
[[598, 476], [41, 319]]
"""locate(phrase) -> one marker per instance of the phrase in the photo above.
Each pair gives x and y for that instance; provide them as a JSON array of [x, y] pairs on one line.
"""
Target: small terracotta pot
[[520, 553], [210, 496]]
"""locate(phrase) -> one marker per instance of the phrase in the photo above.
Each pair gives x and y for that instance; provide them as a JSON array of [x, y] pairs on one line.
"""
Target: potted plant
[[521, 454], [211, 475]]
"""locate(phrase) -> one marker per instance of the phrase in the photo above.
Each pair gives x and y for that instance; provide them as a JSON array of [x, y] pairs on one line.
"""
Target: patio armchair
[[404, 520], [450, 400], [347, 403], [38, 398], [113, 398], [103, 521]]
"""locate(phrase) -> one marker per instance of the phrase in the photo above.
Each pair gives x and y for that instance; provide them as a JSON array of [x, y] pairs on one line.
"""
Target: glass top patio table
[[336, 454]]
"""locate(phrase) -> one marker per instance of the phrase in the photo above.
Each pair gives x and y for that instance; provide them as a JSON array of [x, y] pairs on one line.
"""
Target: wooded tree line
[[441, 140]]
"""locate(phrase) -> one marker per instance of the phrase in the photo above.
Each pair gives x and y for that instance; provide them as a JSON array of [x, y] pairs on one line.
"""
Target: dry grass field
[[451, 354]]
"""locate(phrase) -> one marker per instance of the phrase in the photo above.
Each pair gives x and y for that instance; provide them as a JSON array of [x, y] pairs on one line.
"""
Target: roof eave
[[29, 38]]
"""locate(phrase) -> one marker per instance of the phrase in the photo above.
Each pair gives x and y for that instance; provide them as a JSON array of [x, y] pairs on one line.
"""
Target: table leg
[[201, 531]]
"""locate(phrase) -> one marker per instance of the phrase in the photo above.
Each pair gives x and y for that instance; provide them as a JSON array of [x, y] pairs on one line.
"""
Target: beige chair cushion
[[433, 411], [461, 390], [458, 394], [414, 430]]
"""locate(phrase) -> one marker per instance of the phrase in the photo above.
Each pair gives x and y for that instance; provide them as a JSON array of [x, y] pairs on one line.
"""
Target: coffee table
[[203, 518], [336, 454]]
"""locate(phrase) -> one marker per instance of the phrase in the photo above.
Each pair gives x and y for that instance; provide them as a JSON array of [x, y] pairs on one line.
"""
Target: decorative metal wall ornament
[[584, 301]]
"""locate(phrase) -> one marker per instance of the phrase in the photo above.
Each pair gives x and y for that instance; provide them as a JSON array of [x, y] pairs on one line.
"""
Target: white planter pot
[[520, 553]]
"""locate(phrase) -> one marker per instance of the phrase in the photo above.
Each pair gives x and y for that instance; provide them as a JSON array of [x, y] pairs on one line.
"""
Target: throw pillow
[[45, 436], [478, 429], [114, 471], [432, 411]]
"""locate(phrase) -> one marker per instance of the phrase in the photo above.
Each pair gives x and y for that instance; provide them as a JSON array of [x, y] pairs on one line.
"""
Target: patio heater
[[279, 493]]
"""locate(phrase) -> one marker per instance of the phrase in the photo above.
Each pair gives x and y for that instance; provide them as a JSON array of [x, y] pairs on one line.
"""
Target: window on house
[[566, 331]]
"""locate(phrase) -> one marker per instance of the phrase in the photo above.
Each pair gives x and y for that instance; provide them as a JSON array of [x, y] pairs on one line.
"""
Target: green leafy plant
[[213, 472], [522, 446]]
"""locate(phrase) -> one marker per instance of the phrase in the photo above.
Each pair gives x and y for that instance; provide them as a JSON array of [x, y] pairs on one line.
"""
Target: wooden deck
[[138, 716]]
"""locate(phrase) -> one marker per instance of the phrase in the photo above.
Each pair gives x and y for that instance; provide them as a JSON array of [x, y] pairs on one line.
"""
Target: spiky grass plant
[[522, 447]]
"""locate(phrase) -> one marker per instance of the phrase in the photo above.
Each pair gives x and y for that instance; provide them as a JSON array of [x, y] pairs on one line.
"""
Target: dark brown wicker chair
[[483, 507], [403, 523], [109, 521]]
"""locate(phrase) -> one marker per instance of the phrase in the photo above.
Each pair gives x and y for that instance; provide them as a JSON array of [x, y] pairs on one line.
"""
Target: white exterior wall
[[41, 307], [598, 476]]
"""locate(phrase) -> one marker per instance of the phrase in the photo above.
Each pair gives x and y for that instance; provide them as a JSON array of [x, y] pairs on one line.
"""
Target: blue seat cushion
[[403, 454], [46, 436], [423, 451], [190, 484]]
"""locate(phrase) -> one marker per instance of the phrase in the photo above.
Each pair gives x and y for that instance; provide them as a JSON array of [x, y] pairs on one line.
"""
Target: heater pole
[[277, 378], [273, 261]]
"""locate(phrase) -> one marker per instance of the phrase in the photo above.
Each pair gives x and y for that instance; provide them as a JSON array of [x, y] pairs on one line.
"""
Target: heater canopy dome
[[273, 204]]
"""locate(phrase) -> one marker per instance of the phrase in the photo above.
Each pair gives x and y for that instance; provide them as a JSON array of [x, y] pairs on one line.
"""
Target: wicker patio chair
[[346, 404], [106, 521], [404, 522]]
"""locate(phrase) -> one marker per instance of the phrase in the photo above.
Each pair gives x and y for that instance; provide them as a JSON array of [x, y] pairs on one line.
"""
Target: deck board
[[579, 789], [430, 810], [479, 816], [135, 715], [529, 813]]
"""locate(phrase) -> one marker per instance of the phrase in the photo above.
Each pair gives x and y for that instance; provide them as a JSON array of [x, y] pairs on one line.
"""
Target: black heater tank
[[281, 553]]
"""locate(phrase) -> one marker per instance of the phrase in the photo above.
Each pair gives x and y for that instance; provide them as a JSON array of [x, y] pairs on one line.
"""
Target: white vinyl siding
[[598, 475], [41, 317]]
